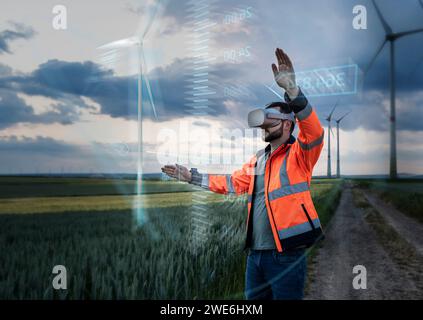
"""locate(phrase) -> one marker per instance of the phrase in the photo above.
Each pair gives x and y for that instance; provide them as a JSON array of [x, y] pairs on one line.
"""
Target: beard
[[272, 136]]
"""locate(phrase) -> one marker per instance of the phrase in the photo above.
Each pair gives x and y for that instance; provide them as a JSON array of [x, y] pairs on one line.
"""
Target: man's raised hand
[[284, 73], [178, 172]]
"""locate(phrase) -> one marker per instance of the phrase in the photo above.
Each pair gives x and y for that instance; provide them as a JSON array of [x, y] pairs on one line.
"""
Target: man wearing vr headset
[[282, 220]]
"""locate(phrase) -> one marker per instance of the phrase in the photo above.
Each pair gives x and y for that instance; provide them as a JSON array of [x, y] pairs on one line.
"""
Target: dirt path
[[351, 241], [410, 229]]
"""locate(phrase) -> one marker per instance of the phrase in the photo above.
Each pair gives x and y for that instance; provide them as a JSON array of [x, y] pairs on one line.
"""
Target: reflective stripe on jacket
[[292, 215]]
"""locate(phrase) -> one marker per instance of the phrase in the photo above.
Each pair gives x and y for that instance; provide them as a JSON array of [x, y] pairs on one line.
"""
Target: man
[[282, 220]]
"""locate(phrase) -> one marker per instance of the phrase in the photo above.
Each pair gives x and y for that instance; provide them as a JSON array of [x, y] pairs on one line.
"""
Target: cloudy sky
[[68, 102]]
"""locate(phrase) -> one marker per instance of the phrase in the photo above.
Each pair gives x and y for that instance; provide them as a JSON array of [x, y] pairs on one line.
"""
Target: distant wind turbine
[[329, 118], [138, 41], [391, 37], [338, 166]]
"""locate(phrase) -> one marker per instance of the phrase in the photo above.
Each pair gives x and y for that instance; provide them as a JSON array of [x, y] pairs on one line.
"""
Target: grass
[[109, 254], [99, 203], [14, 187], [406, 196], [106, 259], [326, 197], [164, 199]]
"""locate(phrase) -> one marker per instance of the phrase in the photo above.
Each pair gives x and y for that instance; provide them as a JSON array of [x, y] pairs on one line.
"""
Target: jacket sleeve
[[311, 133], [235, 183]]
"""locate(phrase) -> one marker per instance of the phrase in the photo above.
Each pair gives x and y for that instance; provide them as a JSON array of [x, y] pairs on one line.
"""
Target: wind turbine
[[329, 118], [391, 37], [338, 166], [138, 42]]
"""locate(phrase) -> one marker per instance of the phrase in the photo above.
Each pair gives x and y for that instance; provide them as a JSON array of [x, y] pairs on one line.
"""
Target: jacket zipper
[[308, 217], [247, 240], [267, 197]]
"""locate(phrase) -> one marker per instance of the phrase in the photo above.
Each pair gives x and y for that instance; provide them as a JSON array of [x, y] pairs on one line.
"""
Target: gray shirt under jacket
[[262, 236]]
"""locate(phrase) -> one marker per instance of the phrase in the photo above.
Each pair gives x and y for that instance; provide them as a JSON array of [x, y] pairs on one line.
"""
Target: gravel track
[[351, 241]]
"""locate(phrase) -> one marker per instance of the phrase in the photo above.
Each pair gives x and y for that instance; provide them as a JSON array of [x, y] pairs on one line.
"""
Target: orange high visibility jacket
[[292, 215]]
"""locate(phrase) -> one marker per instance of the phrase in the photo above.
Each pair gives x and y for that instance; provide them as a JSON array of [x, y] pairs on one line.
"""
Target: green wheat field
[[92, 226]]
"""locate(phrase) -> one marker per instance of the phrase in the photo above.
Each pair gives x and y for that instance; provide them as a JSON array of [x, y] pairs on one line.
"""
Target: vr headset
[[269, 116]]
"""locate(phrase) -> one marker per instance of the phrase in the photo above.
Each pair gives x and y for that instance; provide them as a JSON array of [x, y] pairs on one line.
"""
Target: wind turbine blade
[[122, 43], [147, 84], [150, 95], [406, 33], [332, 132], [151, 19], [330, 115], [385, 25], [374, 57], [339, 120]]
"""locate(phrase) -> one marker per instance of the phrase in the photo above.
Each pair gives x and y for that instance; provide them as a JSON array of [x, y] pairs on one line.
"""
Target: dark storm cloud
[[5, 70], [68, 77], [117, 96], [14, 109], [19, 31], [56, 78], [65, 82], [174, 87], [310, 36], [316, 35], [408, 69]]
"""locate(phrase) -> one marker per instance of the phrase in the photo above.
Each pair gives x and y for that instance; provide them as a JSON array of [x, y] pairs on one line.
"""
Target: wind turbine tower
[[328, 119], [338, 165], [137, 41], [391, 37]]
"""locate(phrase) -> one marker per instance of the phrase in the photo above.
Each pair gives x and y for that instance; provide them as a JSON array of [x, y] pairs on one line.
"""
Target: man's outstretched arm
[[235, 183]]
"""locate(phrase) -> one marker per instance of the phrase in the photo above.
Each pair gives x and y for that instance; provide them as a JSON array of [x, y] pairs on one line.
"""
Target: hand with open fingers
[[177, 171], [284, 73]]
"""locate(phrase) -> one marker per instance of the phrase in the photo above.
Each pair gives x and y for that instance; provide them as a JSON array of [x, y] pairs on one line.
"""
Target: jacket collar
[[290, 141]]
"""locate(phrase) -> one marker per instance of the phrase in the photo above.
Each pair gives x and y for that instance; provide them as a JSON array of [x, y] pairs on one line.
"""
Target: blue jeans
[[274, 275]]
